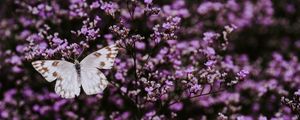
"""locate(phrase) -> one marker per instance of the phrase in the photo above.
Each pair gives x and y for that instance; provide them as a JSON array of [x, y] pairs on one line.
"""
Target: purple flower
[[243, 73], [109, 7], [15, 60], [95, 4], [206, 7], [176, 107], [4, 114], [148, 1], [149, 90], [209, 63]]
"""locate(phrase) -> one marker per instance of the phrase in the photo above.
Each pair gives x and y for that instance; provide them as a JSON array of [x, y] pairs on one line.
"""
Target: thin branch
[[211, 91], [150, 54]]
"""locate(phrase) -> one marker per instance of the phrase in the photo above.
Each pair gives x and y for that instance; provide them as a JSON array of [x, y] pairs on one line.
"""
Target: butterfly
[[71, 76]]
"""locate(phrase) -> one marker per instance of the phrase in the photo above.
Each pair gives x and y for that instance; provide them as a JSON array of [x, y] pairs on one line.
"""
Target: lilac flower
[[148, 1], [176, 107], [206, 7], [242, 73], [149, 90], [109, 7]]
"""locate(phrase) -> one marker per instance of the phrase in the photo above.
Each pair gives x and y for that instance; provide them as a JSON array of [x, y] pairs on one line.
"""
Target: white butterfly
[[69, 77]]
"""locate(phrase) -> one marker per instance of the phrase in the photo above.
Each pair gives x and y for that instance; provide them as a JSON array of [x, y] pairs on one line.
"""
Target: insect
[[71, 76]]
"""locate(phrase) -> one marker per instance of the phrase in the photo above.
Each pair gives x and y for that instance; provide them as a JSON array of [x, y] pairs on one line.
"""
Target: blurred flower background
[[178, 59]]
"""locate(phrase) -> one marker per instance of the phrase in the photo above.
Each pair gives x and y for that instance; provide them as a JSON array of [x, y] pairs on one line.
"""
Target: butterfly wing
[[102, 59], [67, 84], [93, 80]]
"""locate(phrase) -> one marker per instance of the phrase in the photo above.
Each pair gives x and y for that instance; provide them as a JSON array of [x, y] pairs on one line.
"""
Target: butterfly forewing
[[50, 69], [102, 59], [67, 84]]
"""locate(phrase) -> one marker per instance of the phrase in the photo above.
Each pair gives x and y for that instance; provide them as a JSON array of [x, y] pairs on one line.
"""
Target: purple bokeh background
[[178, 59]]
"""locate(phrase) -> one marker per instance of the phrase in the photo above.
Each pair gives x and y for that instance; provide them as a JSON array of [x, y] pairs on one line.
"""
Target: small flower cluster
[[293, 103]]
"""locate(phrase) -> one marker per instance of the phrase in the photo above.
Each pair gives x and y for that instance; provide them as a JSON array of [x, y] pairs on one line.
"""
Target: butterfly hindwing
[[102, 59], [93, 80], [67, 84]]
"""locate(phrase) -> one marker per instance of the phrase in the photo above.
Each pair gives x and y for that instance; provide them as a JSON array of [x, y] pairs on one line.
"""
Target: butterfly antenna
[[71, 58], [80, 54]]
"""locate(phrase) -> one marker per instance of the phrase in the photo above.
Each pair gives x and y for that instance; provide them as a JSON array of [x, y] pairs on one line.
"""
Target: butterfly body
[[77, 67], [71, 76]]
